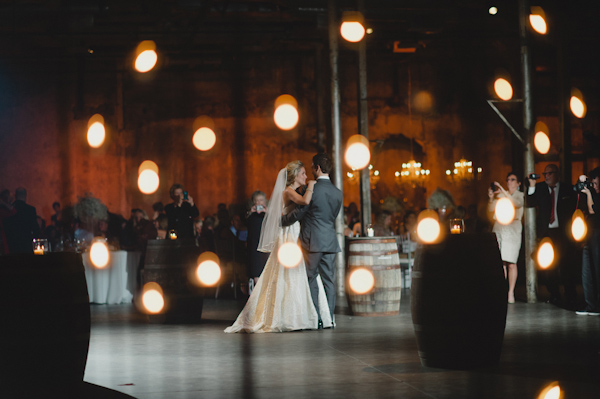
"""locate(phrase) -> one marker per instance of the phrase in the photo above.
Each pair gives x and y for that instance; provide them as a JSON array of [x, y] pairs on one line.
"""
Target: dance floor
[[364, 357]]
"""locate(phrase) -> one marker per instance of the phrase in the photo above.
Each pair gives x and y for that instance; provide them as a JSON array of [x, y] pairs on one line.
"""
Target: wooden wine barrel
[[459, 302], [45, 333], [380, 256], [172, 264]]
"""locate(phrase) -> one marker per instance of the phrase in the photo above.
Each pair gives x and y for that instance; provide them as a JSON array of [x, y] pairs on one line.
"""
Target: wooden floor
[[364, 357]]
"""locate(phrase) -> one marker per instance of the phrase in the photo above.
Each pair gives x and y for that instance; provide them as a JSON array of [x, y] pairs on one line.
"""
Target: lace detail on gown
[[281, 299]]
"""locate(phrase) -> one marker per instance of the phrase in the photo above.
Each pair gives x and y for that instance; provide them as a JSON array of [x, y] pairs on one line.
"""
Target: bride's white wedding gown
[[281, 299]]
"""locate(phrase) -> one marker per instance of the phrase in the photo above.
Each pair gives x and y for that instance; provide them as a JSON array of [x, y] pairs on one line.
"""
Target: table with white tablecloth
[[110, 284]]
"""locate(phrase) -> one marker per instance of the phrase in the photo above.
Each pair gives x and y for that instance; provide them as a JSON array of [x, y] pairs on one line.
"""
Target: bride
[[281, 299]]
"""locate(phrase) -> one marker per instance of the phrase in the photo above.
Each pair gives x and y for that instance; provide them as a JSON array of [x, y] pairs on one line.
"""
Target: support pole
[[340, 263], [529, 161], [363, 129]]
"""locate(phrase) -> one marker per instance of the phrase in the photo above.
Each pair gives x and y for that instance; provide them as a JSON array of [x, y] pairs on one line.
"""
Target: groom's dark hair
[[323, 160]]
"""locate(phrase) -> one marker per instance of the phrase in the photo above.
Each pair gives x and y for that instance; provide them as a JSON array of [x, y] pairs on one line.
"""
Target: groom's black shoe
[[320, 325]]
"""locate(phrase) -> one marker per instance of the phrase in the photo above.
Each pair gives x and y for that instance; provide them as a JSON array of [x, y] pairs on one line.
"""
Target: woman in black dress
[[181, 212]]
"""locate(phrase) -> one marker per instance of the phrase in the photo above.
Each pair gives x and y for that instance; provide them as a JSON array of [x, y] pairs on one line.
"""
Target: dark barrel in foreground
[[459, 302], [380, 256], [45, 328], [172, 265]]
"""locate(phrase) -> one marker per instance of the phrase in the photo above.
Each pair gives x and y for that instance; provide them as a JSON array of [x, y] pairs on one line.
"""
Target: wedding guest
[[256, 259], [159, 209], [353, 215], [409, 225], [181, 212], [56, 219], [6, 210], [509, 236], [383, 224], [473, 223], [22, 227], [555, 202], [161, 223], [207, 236], [590, 268]]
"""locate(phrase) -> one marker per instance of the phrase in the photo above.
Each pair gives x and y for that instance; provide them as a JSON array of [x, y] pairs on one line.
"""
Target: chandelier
[[354, 176], [464, 171], [412, 173]]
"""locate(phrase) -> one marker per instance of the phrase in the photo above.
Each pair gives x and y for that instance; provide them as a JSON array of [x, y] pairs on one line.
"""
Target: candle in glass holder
[[457, 226], [370, 231], [173, 235], [40, 246]]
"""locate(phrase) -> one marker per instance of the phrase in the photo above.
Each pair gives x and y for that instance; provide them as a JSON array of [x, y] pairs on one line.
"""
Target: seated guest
[[181, 212], [6, 210], [475, 224], [159, 209], [56, 219], [207, 236], [161, 223], [383, 224], [22, 227]]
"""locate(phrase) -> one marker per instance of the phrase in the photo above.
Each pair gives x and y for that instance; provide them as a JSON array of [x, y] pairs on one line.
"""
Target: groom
[[317, 232]]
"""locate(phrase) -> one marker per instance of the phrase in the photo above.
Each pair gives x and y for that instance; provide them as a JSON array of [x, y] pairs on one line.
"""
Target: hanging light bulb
[[96, 131], [145, 56]]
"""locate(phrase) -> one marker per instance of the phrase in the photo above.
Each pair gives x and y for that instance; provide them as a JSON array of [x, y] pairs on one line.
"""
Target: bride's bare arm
[[291, 195]]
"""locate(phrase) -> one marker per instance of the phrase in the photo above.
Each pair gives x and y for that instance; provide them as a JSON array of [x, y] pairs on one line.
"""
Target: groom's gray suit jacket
[[318, 218]]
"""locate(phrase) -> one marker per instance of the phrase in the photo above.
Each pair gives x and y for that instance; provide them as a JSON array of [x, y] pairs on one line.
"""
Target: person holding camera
[[256, 259], [555, 202], [509, 236], [181, 212], [590, 267]]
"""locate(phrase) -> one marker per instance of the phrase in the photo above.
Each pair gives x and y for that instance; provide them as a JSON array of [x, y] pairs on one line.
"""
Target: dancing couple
[[302, 297]]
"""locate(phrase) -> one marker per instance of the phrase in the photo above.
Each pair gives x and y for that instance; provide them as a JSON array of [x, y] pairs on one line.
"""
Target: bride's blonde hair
[[292, 169]]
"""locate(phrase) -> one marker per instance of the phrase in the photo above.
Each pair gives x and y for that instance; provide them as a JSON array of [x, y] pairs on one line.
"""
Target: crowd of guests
[[234, 236]]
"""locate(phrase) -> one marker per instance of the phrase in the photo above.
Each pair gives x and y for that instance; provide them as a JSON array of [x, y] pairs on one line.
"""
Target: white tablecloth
[[109, 284]]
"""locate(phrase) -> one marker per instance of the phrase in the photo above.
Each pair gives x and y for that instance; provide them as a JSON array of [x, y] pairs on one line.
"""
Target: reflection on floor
[[364, 357]]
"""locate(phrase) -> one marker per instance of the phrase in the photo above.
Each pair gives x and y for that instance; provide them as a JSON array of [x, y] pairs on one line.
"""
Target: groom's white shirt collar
[[323, 177]]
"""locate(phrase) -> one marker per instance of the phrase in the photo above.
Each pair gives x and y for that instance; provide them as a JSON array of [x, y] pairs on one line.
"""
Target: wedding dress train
[[281, 299]]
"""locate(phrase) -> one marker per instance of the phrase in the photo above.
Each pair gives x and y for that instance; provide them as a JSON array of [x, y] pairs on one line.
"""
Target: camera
[[185, 195], [533, 176], [580, 185], [260, 208], [493, 186]]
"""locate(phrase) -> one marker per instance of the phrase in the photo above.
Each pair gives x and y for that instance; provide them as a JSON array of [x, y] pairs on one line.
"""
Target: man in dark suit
[[556, 203], [22, 227], [317, 233]]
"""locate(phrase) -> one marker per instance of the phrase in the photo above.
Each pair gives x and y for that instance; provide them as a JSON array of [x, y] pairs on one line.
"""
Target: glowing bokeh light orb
[[578, 226], [361, 281], [578, 107], [357, 155], [289, 254], [542, 142], [553, 393], [493, 10], [96, 135], [503, 89], [538, 23], [286, 116], [545, 255], [208, 272], [145, 61], [148, 181], [504, 211], [99, 254], [153, 301], [352, 31], [204, 139], [428, 230], [148, 165]]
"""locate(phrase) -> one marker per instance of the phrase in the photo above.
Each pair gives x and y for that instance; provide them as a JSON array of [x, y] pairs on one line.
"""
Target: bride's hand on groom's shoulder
[[311, 183]]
